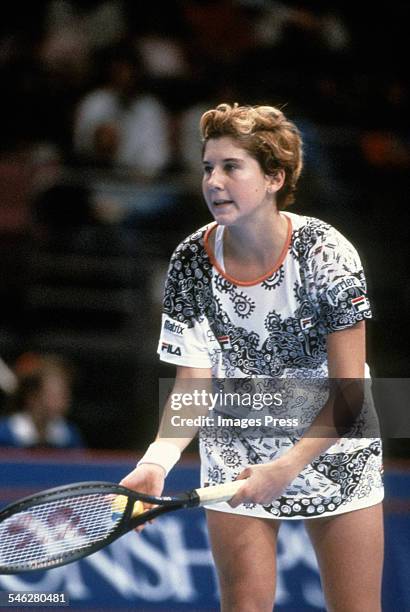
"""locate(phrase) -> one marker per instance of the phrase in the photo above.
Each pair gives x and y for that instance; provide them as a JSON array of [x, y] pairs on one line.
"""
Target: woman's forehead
[[224, 147]]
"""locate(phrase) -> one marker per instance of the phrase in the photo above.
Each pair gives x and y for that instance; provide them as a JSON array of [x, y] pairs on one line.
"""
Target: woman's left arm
[[346, 353]]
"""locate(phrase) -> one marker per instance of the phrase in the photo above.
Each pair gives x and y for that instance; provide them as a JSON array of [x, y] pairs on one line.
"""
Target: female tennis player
[[261, 292]]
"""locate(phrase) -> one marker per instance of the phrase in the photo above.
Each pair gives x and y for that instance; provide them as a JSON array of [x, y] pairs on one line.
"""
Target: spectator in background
[[67, 214], [218, 32], [119, 125], [39, 405], [8, 379]]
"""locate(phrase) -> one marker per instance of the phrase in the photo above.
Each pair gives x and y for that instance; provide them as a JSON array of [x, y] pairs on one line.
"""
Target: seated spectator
[[120, 126], [39, 406]]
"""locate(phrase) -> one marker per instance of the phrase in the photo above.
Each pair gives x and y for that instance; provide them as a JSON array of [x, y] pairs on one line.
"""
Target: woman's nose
[[215, 180]]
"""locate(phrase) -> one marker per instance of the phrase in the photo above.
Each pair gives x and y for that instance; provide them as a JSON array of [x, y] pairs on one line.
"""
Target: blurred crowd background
[[100, 179]]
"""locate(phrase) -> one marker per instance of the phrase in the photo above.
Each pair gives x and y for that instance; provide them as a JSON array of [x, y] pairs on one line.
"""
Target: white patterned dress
[[274, 328]]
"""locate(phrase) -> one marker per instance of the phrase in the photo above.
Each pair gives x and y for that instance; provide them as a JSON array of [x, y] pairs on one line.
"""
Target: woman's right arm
[[149, 474]]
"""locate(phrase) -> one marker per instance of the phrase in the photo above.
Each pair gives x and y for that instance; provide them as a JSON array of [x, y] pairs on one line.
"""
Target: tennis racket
[[60, 525]]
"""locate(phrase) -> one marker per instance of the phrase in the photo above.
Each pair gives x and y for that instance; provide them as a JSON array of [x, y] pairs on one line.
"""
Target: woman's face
[[234, 185]]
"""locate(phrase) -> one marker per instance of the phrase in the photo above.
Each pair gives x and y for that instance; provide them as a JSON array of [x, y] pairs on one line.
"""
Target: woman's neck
[[258, 243], [251, 253]]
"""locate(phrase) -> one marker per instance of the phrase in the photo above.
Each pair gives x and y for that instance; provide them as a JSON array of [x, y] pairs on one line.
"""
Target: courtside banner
[[171, 568], [286, 407]]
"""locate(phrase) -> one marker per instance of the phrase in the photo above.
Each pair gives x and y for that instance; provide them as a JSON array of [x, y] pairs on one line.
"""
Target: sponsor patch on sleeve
[[340, 286], [360, 303], [171, 349], [174, 327]]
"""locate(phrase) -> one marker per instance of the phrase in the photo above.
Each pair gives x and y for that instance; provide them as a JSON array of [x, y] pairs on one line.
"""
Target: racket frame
[[127, 522]]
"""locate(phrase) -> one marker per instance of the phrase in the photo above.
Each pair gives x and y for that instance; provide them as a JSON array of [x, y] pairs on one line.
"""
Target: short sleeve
[[185, 329], [339, 282]]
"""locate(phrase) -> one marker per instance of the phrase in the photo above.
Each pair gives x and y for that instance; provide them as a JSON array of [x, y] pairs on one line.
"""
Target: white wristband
[[161, 453]]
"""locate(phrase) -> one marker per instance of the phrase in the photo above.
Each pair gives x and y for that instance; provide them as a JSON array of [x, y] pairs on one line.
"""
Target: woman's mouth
[[221, 202]]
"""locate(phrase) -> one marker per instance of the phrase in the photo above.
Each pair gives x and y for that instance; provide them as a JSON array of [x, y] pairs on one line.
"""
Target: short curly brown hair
[[266, 134]]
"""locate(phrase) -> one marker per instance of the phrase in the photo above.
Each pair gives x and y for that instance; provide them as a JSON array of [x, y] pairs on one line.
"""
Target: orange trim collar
[[258, 280]]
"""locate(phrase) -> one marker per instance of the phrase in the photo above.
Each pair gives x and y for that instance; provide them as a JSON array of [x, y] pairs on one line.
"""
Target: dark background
[[88, 284]]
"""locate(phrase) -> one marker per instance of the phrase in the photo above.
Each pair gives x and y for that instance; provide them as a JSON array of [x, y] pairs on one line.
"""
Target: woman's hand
[[146, 478], [264, 482]]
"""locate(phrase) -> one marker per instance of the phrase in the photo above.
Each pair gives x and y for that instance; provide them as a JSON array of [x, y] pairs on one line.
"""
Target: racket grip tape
[[119, 504], [137, 509], [218, 493]]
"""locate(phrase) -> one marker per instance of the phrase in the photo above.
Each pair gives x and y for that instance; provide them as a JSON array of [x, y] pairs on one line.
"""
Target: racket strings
[[55, 529]]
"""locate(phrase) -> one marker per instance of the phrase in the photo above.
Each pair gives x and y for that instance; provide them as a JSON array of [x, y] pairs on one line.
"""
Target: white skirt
[[348, 476]]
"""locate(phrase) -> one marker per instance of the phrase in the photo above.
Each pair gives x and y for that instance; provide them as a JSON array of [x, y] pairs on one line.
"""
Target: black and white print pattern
[[332, 481], [274, 280], [275, 328], [280, 323]]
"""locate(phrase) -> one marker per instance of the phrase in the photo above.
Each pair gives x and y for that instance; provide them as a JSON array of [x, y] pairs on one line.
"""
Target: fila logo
[[171, 349], [175, 328], [225, 342], [360, 303], [306, 323]]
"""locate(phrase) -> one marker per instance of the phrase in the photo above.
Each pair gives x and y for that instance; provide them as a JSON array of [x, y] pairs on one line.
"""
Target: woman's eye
[[207, 169]]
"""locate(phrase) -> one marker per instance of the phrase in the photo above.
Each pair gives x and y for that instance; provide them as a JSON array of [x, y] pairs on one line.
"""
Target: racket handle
[[218, 493]]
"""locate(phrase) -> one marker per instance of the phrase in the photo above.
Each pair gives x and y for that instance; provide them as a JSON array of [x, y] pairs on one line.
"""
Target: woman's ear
[[276, 180]]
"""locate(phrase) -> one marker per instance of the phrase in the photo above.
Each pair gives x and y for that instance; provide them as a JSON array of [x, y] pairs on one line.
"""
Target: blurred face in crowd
[[55, 394], [52, 398]]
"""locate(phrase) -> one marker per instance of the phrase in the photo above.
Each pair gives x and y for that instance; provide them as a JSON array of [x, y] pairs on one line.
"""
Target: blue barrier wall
[[169, 566]]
